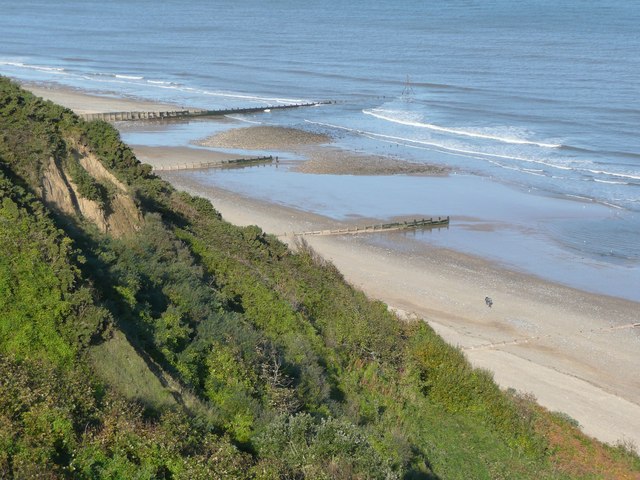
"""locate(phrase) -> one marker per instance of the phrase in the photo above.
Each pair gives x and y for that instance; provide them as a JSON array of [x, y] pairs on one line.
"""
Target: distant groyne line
[[439, 222], [189, 113], [216, 164]]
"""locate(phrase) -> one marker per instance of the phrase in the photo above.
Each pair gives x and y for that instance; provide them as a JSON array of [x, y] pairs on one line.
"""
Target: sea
[[533, 105]]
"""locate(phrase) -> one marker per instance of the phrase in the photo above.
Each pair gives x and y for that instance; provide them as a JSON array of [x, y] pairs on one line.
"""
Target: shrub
[[328, 448]]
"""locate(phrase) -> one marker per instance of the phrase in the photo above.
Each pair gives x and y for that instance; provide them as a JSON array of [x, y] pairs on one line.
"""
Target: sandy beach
[[83, 102], [575, 351]]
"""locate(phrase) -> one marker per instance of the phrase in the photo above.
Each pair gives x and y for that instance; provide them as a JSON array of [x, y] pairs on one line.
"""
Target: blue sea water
[[540, 95]]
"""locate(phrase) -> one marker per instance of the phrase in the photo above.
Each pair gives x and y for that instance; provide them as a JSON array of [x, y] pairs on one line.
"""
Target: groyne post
[[150, 115]]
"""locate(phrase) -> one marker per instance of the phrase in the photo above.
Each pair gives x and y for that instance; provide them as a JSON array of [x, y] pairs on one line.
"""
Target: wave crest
[[384, 115]]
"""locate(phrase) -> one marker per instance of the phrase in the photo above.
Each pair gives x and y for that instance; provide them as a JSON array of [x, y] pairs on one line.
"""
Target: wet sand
[[178, 157], [333, 161], [319, 156], [575, 351], [264, 138]]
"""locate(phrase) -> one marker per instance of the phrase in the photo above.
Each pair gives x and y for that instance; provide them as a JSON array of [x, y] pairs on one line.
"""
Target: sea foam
[[396, 117]]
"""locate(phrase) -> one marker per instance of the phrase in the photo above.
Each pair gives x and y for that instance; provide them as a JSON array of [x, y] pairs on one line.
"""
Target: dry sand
[[576, 352], [82, 103]]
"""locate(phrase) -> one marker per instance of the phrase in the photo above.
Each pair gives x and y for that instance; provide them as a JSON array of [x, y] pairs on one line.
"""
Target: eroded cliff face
[[119, 218], [123, 216], [93, 166], [56, 190]]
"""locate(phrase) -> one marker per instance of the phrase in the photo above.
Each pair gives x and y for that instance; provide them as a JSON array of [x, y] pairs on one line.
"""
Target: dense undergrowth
[[256, 362]]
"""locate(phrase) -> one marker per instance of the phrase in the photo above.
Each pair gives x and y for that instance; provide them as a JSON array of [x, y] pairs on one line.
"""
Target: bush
[[87, 186], [329, 448], [447, 378], [45, 312]]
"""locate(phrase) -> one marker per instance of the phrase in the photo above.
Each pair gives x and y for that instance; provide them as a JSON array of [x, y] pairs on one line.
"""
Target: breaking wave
[[387, 115]]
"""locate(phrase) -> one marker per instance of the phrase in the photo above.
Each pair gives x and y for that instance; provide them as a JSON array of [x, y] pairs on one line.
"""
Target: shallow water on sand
[[498, 222]]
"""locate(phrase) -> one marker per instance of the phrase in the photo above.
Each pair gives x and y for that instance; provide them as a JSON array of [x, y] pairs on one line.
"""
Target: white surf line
[[440, 147], [614, 174], [458, 131], [245, 120]]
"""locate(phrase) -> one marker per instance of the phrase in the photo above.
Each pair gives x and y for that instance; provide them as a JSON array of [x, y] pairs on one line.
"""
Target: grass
[[117, 363], [578, 456]]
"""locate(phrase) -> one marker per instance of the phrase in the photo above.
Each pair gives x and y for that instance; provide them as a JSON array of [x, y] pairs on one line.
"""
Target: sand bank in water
[[167, 157], [333, 161], [321, 159], [264, 138]]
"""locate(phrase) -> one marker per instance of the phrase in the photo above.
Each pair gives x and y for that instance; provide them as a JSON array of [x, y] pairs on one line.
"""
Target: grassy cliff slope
[[141, 336]]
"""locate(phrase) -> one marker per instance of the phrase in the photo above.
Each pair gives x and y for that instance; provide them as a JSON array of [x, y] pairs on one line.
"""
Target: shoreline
[[82, 102], [575, 351], [586, 380], [165, 157]]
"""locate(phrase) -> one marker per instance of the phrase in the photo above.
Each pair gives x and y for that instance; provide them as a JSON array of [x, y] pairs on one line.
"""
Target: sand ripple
[[341, 162], [264, 138], [321, 159]]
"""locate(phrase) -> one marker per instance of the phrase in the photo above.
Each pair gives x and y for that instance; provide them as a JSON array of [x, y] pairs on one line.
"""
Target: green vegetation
[[46, 311], [192, 348], [87, 186]]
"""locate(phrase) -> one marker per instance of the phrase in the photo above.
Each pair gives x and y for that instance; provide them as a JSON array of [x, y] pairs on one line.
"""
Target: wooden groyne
[[132, 116], [383, 227], [217, 164], [213, 113]]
